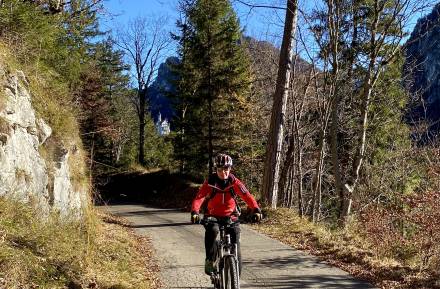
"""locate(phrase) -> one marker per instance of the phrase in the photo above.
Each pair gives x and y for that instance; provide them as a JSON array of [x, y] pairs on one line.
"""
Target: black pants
[[211, 233]]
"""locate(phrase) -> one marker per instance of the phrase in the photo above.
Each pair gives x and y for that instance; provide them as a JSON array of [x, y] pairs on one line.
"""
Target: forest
[[338, 123]]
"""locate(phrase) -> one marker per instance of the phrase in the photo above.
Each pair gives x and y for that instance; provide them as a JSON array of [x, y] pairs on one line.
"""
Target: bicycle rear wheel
[[231, 273]]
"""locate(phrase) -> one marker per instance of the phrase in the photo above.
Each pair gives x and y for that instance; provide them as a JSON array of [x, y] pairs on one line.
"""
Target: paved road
[[267, 263]]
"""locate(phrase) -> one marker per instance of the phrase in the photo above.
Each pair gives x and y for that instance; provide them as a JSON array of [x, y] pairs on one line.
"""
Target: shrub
[[409, 233]]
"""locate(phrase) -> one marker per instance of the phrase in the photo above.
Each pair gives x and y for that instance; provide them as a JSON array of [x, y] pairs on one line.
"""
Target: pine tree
[[114, 129], [213, 79]]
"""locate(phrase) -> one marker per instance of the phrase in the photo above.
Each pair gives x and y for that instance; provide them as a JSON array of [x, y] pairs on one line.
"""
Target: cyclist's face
[[223, 173]]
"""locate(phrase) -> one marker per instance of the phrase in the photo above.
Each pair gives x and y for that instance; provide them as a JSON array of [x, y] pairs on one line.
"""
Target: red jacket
[[221, 203]]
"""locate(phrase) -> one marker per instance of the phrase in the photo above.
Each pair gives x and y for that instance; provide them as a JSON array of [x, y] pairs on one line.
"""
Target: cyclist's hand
[[195, 218], [257, 216]]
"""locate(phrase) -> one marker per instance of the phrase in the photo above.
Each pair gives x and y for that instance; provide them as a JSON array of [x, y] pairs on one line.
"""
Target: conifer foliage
[[213, 77], [79, 77]]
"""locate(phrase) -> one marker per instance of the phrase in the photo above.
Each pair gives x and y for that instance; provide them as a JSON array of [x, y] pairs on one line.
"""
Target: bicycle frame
[[225, 253]]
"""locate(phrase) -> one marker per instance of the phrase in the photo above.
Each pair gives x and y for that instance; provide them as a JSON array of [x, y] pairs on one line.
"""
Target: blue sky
[[263, 24], [260, 23], [120, 11]]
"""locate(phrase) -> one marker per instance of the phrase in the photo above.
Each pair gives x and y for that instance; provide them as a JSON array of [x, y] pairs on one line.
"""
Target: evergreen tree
[[104, 85], [213, 80], [80, 24]]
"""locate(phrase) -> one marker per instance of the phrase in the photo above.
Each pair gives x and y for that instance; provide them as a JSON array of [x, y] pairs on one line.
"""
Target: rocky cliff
[[29, 170], [423, 65], [158, 101]]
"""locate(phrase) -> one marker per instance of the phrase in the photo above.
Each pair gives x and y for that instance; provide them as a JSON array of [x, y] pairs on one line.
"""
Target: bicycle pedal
[[215, 281]]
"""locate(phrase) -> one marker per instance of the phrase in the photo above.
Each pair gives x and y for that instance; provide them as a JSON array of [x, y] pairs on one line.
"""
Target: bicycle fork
[[237, 262]]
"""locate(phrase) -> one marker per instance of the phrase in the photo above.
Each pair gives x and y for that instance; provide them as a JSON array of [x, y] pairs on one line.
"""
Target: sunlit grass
[[49, 252]]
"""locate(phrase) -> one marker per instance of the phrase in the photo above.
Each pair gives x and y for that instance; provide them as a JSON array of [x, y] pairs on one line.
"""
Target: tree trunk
[[283, 185], [300, 181], [210, 111], [333, 23], [182, 139], [142, 107], [291, 187], [118, 151], [334, 148], [276, 131], [210, 147], [316, 201], [350, 186], [298, 149]]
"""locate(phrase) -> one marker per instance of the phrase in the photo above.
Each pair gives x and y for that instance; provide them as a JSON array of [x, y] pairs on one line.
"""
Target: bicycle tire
[[216, 249], [231, 273]]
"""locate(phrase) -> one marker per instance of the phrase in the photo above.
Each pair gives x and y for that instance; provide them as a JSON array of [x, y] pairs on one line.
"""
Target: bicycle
[[226, 274]]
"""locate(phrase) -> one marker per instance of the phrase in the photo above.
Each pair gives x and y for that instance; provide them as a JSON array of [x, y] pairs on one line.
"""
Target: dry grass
[[51, 99], [51, 253], [4, 125], [78, 170], [344, 249], [2, 100], [52, 102], [50, 95], [4, 55]]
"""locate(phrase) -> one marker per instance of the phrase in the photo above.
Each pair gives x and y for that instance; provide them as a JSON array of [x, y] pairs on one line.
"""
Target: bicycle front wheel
[[231, 273]]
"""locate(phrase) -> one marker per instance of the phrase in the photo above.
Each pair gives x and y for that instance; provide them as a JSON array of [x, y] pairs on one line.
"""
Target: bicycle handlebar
[[226, 221]]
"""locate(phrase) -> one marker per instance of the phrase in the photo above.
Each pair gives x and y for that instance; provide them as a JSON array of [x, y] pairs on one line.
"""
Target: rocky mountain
[[32, 170], [423, 65], [263, 58], [158, 101]]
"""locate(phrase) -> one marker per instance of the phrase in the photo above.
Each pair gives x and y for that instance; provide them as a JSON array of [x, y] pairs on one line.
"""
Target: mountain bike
[[226, 274]]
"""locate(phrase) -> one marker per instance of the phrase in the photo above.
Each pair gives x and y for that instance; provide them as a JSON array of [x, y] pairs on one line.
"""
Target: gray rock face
[[24, 174], [423, 64], [159, 102]]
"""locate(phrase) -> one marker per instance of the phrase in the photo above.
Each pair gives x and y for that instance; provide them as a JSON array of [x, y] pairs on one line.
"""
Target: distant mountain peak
[[159, 103], [423, 65]]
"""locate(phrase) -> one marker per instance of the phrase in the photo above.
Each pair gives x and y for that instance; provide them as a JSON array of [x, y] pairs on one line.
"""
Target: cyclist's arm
[[200, 197], [245, 195]]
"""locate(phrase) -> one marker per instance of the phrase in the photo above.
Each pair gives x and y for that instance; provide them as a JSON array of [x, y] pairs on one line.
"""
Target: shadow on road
[[158, 188], [300, 271], [309, 281], [303, 262], [160, 225], [149, 212]]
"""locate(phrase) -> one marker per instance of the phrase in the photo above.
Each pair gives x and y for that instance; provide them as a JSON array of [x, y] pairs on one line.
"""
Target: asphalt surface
[[267, 263]]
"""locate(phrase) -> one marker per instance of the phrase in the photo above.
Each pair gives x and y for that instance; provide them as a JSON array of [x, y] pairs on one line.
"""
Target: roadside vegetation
[[358, 179], [358, 183], [97, 251], [369, 247], [368, 251], [68, 73]]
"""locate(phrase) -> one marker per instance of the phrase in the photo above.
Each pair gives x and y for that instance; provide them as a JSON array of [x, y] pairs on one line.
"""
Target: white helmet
[[222, 160]]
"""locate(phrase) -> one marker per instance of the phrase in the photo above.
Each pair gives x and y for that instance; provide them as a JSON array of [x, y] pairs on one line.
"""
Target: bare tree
[[144, 42], [277, 123], [367, 44], [386, 35]]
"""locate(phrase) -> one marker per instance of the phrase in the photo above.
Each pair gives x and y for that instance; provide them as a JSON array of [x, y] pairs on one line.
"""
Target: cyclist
[[219, 192]]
